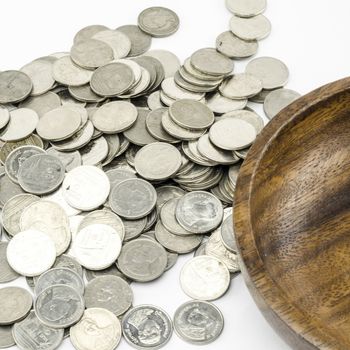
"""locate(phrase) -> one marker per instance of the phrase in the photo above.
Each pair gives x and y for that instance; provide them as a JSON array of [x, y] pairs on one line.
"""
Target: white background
[[310, 36]]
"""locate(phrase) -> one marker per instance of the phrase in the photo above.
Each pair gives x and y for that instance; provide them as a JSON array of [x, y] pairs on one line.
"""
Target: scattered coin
[[6, 338], [253, 28], [173, 91], [140, 41], [244, 8], [134, 228], [227, 234], [241, 86], [94, 152], [68, 262], [220, 104], [88, 32], [8, 189], [170, 61], [4, 117], [166, 193], [15, 86], [70, 160], [7, 274], [110, 271]]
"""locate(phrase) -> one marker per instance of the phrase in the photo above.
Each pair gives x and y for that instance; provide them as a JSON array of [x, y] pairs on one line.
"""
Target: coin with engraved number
[[15, 86], [140, 41], [198, 322], [109, 292], [6, 337], [253, 28], [31, 334], [205, 278], [30, 253], [84, 336], [7, 274], [59, 306], [15, 304]]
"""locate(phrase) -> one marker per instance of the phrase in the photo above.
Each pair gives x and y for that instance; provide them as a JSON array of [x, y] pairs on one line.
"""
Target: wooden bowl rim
[[256, 273]]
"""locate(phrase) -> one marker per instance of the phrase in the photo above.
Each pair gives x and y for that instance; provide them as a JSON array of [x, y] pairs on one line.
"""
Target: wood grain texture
[[292, 220]]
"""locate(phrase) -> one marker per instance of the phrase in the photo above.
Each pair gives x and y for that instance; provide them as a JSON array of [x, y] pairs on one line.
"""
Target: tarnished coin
[[205, 278], [41, 104], [97, 246], [241, 86], [244, 8], [272, 72], [59, 306], [277, 100], [232, 46], [143, 260], [23, 122], [94, 152], [220, 104], [31, 334], [198, 322], [70, 160], [113, 79], [91, 53], [115, 117], [86, 187], [41, 174], [111, 271], [173, 91], [8, 189], [227, 234], [232, 134], [133, 199], [199, 212], [158, 21], [15, 86], [15, 304], [134, 228], [4, 117], [59, 275], [109, 292], [105, 217], [170, 62], [253, 28], [84, 337], [7, 274], [6, 338], [191, 114], [210, 61], [140, 41], [30, 253], [88, 32]]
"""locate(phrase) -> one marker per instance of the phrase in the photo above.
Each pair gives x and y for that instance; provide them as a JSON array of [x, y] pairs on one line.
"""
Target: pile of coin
[[116, 160]]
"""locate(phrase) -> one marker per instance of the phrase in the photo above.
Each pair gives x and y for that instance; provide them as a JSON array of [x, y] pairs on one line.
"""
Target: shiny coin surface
[[199, 212], [140, 318], [271, 71], [31, 334], [30, 253], [173, 91], [4, 117], [158, 21], [68, 262], [198, 322], [108, 336], [15, 304], [220, 104], [166, 193], [157, 161], [277, 100], [143, 260], [249, 116], [7, 274], [133, 199], [59, 306], [241, 86], [109, 292], [116, 176], [94, 152], [140, 41], [205, 278], [227, 234], [41, 174], [243, 8], [70, 160], [97, 246], [111, 271], [253, 28], [6, 338], [86, 187], [15, 86]]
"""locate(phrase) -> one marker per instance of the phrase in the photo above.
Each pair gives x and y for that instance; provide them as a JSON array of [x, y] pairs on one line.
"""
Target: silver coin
[[210, 61], [244, 8], [134, 228], [15, 304], [166, 193], [91, 53], [115, 117], [272, 72], [113, 79], [109, 292], [59, 276], [220, 104], [241, 86], [191, 70], [86, 187], [6, 338], [108, 335], [232, 134], [7, 274], [140, 41], [158, 21], [94, 152], [59, 306], [30, 253], [110, 271], [232, 46], [136, 69], [165, 99], [227, 234], [118, 41], [253, 28], [153, 101], [170, 62], [199, 212], [70, 160], [172, 90], [198, 322], [133, 199], [31, 334], [116, 176], [66, 72], [105, 217], [277, 100], [260, 98], [88, 32], [139, 88], [41, 104], [68, 262], [97, 246], [41, 174], [205, 278], [143, 260], [15, 86], [8, 189], [84, 94], [114, 146], [4, 117], [23, 122], [200, 250], [249, 116]]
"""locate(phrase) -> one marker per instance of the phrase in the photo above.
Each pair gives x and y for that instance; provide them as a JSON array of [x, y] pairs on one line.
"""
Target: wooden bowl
[[292, 220]]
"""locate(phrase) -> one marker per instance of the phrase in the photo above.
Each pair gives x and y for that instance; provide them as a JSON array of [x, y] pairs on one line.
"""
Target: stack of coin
[[116, 160]]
